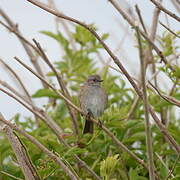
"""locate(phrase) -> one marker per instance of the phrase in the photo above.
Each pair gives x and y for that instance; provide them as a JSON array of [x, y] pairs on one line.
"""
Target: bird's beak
[[100, 80]]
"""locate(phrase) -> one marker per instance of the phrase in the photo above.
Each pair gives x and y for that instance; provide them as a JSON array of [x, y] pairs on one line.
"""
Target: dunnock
[[93, 100]]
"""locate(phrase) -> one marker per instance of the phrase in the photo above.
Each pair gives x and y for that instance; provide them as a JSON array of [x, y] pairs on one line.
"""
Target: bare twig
[[10, 175], [169, 29], [64, 24], [176, 4], [169, 99], [14, 28], [148, 52], [162, 8], [133, 107], [153, 31], [154, 23], [146, 112], [140, 18], [6, 85], [54, 157], [18, 35], [18, 79], [173, 167], [118, 63]]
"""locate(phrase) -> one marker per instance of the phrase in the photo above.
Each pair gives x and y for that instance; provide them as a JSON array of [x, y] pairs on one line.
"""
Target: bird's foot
[[100, 123]]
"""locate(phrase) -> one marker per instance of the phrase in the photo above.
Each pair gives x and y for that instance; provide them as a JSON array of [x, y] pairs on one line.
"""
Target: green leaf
[[45, 93], [58, 37], [75, 150]]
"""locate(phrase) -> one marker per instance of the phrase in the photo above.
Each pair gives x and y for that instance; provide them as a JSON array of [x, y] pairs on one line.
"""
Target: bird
[[93, 101]]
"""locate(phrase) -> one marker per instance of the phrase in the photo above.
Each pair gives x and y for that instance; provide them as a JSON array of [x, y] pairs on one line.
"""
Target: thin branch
[[118, 63], [169, 29], [133, 107], [51, 155], [140, 18], [64, 25], [173, 168], [6, 85], [18, 79], [153, 31], [146, 112], [148, 52], [169, 99], [14, 28], [176, 5], [10, 175], [154, 23], [17, 34], [162, 8]]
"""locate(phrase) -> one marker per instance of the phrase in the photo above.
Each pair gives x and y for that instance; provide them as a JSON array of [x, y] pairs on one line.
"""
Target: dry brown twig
[[18, 80], [149, 55], [162, 8], [14, 28], [169, 99], [169, 30]]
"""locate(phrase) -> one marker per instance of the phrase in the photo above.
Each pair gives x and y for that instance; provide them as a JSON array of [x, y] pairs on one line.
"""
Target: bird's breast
[[95, 101]]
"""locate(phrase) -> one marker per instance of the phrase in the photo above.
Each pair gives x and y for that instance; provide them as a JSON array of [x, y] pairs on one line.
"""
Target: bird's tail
[[88, 127]]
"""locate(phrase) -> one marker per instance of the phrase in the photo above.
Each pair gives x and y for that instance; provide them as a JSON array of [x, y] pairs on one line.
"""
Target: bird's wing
[[81, 95], [105, 100]]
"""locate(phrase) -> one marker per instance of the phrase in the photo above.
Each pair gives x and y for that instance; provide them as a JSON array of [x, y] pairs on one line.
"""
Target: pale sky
[[31, 20]]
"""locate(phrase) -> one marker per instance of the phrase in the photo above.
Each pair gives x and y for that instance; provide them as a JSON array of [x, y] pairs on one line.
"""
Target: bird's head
[[94, 80]]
